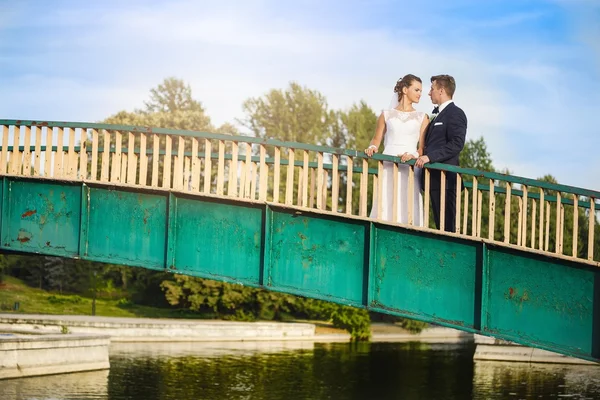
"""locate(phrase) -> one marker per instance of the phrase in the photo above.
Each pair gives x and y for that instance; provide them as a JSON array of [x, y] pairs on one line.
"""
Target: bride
[[402, 128]]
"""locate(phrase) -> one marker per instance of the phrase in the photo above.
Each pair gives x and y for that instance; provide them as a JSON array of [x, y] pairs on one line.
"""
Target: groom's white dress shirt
[[444, 104]]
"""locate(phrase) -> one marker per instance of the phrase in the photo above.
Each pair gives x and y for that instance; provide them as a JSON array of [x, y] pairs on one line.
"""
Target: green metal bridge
[[523, 264]]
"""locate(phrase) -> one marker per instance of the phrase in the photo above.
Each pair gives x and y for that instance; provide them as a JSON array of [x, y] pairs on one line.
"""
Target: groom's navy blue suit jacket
[[445, 136]]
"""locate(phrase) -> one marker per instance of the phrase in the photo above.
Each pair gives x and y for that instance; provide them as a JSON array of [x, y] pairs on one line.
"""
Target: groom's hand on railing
[[421, 161]]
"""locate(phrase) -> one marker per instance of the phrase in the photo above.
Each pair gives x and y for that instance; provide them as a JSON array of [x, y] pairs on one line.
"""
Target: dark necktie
[[436, 110]]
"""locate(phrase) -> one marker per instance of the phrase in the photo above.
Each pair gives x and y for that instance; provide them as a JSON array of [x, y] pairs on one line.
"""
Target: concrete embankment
[[32, 355], [155, 330], [491, 349]]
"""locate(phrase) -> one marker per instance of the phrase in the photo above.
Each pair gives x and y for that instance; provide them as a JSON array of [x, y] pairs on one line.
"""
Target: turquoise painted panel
[[127, 228], [42, 217], [426, 275], [541, 300], [219, 240], [318, 257]]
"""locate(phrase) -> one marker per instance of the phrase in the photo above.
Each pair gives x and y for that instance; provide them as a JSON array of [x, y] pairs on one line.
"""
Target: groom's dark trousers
[[444, 140]]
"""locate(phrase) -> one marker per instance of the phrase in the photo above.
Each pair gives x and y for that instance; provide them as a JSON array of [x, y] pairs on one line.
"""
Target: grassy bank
[[37, 301]]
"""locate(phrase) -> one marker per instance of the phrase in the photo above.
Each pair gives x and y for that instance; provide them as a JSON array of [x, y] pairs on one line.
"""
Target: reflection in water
[[498, 380], [205, 349], [306, 370], [81, 385]]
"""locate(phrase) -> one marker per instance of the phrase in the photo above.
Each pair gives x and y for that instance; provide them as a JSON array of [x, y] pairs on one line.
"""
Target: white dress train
[[401, 136]]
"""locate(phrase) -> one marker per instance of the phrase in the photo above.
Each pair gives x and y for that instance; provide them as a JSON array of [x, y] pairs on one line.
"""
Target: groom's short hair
[[445, 81]]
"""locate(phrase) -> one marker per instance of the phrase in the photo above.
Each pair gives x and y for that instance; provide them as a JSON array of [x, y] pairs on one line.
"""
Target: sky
[[527, 71]]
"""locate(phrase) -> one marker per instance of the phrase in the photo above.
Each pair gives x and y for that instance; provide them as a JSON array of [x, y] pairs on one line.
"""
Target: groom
[[444, 140]]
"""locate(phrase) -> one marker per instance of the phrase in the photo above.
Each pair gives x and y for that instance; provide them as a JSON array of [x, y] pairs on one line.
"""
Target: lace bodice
[[402, 131]]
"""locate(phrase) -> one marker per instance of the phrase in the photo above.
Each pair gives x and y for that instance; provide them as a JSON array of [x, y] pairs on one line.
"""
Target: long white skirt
[[402, 190]]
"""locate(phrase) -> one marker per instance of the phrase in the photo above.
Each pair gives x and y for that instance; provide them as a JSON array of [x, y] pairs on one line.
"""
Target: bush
[[355, 320], [58, 299], [412, 325]]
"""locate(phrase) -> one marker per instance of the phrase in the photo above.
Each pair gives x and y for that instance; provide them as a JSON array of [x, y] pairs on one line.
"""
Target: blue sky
[[527, 71]]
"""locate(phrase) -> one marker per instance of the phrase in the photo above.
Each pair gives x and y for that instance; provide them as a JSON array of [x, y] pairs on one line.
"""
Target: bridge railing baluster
[[395, 199], [132, 160], [4, 153], [233, 171], [115, 166], [221, 168], [575, 224], [524, 210], [289, 186], [533, 222], [178, 164], [196, 167], [71, 165], [558, 242], [507, 212], [364, 188], [37, 162], [479, 212], [475, 207], [304, 181], [349, 183], [426, 197], [335, 183], [591, 228], [263, 176], [321, 182], [143, 175], [541, 224], [492, 209], [311, 189], [411, 195], [378, 190], [27, 151], [208, 164], [458, 203], [59, 154]]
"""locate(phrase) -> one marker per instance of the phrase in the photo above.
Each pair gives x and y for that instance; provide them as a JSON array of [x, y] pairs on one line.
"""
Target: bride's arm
[[424, 126], [376, 141]]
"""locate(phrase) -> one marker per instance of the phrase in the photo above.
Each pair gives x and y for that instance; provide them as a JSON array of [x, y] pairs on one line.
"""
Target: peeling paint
[[28, 213], [24, 236]]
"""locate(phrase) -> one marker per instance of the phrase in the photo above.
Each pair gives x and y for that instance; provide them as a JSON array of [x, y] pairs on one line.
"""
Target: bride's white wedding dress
[[401, 136]]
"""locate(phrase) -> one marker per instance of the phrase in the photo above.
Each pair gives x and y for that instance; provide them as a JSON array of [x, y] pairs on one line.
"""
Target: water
[[303, 370]]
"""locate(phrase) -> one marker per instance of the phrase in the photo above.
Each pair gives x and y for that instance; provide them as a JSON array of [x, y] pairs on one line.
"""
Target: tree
[[475, 155], [171, 96], [171, 106], [297, 114], [359, 122]]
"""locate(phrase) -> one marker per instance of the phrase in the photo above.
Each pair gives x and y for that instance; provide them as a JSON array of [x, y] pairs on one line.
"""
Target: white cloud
[[519, 101]]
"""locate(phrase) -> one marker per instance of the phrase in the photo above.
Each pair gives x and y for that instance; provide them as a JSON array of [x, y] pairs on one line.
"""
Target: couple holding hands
[[411, 134]]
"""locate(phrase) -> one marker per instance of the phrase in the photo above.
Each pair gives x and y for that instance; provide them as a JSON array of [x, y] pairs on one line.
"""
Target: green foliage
[[171, 106], [241, 303], [354, 320], [58, 299], [475, 155], [297, 114], [171, 96], [413, 326]]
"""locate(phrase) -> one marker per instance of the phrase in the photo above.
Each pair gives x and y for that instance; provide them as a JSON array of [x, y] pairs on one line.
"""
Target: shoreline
[[160, 330]]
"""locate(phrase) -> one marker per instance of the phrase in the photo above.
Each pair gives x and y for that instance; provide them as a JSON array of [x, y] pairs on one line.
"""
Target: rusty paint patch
[[24, 236], [48, 244], [28, 213]]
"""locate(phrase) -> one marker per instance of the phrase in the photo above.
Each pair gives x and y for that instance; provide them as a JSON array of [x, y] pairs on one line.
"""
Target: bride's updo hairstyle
[[405, 82]]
